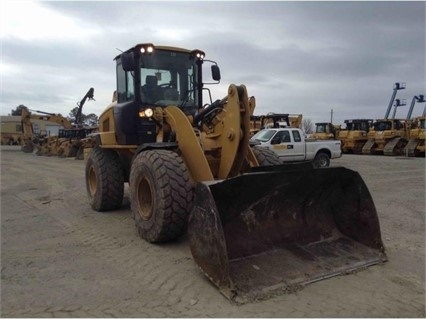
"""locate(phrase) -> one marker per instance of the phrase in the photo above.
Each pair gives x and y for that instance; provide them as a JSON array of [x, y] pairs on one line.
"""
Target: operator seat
[[151, 91]]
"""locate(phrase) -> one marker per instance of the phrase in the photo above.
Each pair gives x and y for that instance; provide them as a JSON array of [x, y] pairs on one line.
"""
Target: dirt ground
[[61, 259]]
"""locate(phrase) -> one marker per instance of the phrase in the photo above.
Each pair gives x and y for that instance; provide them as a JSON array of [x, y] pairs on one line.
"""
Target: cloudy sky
[[294, 57]]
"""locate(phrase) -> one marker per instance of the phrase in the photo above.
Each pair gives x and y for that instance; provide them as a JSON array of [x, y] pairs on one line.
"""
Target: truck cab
[[291, 146]]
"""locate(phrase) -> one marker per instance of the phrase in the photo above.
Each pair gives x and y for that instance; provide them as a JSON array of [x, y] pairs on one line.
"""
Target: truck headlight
[[146, 113]]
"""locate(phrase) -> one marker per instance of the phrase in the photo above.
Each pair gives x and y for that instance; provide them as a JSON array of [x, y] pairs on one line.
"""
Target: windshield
[[382, 126], [168, 78], [321, 128], [264, 135]]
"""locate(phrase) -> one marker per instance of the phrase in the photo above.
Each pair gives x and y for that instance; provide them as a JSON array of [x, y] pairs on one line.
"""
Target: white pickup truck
[[291, 146]]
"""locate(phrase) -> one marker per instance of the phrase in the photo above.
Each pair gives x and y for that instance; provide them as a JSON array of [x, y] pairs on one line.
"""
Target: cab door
[[285, 147], [298, 145]]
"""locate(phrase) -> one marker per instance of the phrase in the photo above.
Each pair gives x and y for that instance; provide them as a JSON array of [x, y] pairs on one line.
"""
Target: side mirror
[[215, 72], [128, 61]]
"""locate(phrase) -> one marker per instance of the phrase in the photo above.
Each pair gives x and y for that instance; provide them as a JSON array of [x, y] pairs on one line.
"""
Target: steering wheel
[[166, 85]]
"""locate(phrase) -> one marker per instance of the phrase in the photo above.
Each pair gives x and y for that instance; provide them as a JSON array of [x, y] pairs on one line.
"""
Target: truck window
[[296, 136], [284, 136]]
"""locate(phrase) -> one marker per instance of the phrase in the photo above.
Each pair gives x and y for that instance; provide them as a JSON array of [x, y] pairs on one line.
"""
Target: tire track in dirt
[[63, 259]]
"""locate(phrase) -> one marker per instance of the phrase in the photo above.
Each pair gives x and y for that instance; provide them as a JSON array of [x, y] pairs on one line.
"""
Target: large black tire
[[265, 156], [160, 195], [104, 180], [321, 160]]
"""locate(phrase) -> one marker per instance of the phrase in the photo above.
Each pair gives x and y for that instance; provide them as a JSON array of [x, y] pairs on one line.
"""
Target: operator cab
[[150, 77]]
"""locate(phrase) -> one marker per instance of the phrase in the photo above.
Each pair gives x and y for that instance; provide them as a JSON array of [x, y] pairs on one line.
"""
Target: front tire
[[104, 180], [160, 195], [265, 156]]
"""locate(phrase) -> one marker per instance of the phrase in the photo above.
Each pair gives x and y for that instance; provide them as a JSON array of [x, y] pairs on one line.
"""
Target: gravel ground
[[61, 259]]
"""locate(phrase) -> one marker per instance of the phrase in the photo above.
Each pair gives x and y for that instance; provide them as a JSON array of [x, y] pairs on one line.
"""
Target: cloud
[[295, 57]]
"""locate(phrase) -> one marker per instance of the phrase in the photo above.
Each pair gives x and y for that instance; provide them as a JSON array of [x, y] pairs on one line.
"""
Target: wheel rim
[[144, 198], [322, 161], [92, 181]]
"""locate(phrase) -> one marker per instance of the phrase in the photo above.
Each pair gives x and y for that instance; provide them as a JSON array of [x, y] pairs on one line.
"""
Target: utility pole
[[331, 120]]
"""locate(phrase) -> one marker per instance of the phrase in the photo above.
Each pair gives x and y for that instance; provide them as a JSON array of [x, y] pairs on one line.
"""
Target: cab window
[[296, 136]]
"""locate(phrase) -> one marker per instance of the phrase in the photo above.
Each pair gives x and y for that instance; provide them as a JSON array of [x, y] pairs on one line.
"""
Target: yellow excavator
[[255, 227]]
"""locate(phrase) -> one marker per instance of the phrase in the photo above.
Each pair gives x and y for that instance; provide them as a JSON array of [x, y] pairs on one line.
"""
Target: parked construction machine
[[255, 226], [388, 136], [32, 139], [326, 131], [417, 130], [73, 139], [68, 141], [270, 120], [354, 136]]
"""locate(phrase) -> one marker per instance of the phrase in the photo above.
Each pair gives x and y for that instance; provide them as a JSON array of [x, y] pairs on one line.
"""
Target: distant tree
[[90, 119], [18, 110], [72, 114], [307, 126]]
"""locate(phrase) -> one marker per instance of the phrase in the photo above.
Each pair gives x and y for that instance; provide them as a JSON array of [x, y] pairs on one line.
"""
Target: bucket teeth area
[[271, 231]]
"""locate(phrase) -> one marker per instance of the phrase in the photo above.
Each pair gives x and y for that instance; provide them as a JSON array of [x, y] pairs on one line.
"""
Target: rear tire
[[321, 160], [265, 156], [160, 195], [104, 180]]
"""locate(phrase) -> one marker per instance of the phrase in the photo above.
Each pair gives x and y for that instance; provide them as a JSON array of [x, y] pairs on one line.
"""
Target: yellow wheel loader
[[256, 227]]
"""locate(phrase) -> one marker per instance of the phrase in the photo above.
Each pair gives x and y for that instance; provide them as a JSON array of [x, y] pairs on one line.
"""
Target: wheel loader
[[255, 227]]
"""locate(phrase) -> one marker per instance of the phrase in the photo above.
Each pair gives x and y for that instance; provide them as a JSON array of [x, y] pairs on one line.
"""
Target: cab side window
[[282, 137], [125, 86], [286, 137], [296, 136]]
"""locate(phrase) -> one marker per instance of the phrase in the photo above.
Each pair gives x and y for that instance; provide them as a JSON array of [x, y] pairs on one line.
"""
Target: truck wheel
[[321, 160], [160, 195], [266, 157], [104, 180]]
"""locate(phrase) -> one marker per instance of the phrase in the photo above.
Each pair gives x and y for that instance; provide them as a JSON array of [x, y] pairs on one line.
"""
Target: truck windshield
[[168, 78], [264, 135]]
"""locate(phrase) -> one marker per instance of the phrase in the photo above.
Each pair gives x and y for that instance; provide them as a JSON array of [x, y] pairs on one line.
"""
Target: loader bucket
[[269, 232]]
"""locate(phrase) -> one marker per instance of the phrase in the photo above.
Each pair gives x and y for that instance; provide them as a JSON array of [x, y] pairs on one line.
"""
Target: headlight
[[198, 54], [146, 113], [147, 48]]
